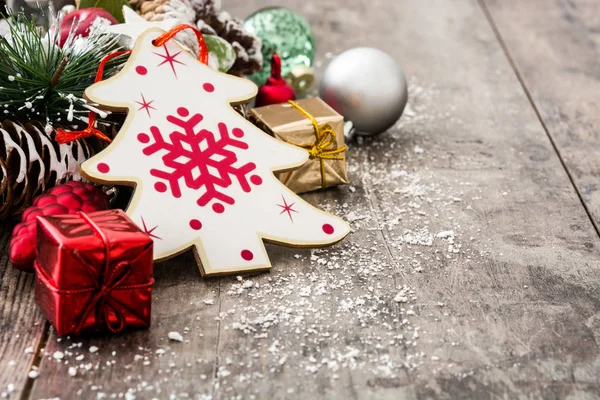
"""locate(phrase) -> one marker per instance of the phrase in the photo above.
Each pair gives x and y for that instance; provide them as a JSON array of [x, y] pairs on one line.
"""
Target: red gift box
[[94, 272]]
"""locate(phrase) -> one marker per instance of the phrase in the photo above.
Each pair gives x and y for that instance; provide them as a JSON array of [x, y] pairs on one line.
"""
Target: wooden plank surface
[[515, 311], [144, 364], [471, 271], [555, 47], [21, 324]]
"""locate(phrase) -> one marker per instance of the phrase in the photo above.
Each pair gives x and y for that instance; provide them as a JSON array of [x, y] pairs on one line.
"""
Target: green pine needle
[[30, 59]]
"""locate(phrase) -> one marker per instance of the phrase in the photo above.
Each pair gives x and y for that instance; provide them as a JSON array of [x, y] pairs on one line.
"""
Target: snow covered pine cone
[[31, 162], [209, 18]]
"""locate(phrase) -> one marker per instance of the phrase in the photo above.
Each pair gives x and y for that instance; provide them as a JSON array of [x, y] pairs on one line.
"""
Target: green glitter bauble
[[285, 32]]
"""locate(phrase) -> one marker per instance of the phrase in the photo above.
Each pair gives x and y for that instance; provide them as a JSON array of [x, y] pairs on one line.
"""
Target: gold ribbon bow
[[325, 136]]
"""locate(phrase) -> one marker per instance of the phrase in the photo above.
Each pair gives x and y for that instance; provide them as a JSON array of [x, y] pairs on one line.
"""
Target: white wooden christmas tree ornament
[[203, 175]]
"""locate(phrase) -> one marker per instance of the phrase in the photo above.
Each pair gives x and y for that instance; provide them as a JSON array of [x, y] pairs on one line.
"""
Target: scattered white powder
[[445, 234], [354, 306], [175, 336]]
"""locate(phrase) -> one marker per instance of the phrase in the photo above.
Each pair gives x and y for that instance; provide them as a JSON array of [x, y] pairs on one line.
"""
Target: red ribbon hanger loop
[[170, 34], [63, 136]]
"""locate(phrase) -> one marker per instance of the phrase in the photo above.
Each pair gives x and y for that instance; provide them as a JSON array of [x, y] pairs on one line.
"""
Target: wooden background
[[473, 267]]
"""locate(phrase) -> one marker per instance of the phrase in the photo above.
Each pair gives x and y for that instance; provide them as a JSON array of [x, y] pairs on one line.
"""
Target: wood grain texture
[[555, 46], [21, 325], [144, 364], [514, 313], [471, 271]]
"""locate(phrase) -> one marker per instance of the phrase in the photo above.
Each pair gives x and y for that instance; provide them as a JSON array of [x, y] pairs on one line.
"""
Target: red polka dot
[[208, 87], [103, 168], [160, 187], [247, 255], [183, 111], [195, 224], [143, 138], [328, 229], [141, 70], [237, 132], [257, 180], [218, 208]]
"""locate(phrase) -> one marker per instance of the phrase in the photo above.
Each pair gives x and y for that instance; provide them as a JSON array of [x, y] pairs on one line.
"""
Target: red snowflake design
[[149, 232], [170, 59], [145, 105], [287, 208], [199, 159]]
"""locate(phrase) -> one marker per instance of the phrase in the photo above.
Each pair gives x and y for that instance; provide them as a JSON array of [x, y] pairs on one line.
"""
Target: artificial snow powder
[[175, 336], [354, 306]]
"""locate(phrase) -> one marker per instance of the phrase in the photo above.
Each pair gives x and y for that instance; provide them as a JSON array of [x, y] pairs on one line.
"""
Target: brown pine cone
[[247, 46], [205, 8], [210, 20], [180, 11], [31, 162], [159, 10]]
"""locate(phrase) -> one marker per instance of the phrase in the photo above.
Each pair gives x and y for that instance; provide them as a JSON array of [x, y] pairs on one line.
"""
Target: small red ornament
[[68, 198], [275, 90], [85, 18]]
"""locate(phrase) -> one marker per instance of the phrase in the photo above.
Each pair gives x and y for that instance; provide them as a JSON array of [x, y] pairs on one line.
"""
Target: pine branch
[[41, 81]]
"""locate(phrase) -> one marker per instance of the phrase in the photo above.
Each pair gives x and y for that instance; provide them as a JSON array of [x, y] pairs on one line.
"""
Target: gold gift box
[[292, 123]]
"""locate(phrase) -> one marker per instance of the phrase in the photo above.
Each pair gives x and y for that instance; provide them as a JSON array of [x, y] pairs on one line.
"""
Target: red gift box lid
[[66, 242]]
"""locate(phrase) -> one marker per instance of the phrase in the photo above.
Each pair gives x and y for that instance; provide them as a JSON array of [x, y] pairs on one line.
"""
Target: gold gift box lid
[[326, 167]]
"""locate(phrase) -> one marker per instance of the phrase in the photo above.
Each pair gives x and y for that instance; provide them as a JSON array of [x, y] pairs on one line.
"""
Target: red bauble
[[85, 17], [275, 90], [68, 198]]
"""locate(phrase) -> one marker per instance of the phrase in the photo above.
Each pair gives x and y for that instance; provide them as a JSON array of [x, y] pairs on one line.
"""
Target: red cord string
[[63, 136], [202, 47]]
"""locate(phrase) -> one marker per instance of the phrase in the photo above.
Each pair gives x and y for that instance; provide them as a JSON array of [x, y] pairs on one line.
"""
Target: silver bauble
[[367, 87]]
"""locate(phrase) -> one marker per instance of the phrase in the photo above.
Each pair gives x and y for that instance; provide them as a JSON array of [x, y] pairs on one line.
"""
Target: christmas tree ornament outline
[[203, 175]]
